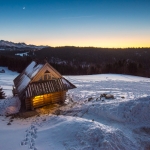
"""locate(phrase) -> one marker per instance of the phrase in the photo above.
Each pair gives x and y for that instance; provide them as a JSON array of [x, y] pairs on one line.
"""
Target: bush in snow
[[2, 94]]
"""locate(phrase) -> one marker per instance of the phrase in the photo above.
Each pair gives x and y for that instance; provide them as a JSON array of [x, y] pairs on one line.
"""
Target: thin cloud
[[77, 17]]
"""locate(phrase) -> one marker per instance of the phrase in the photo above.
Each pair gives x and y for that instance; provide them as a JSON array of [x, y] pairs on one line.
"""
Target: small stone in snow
[[89, 99], [8, 123]]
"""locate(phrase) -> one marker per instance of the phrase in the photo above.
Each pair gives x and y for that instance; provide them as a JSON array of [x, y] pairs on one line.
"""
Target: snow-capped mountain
[[4, 45]]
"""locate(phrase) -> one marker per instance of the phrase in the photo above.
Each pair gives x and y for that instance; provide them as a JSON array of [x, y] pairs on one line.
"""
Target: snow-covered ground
[[91, 123], [22, 54], [6, 80]]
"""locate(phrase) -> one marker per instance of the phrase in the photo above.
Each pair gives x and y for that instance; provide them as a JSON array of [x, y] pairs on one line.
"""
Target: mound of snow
[[9, 106], [133, 111], [59, 132]]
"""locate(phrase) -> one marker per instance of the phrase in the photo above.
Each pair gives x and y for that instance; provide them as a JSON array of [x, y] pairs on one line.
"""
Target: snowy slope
[[91, 123], [6, 80], [129, 87]]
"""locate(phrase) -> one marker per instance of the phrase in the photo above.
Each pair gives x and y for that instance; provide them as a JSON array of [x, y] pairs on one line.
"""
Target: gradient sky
[[97, 23]]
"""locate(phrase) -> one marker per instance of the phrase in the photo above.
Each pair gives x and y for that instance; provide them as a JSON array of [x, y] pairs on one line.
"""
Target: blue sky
[[98, 23]]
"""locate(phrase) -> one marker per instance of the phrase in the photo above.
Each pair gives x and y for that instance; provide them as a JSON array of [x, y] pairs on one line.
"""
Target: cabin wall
[[28, 104], [42, 100]]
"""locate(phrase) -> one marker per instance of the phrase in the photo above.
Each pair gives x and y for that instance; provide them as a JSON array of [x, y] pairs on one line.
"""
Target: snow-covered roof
[[49, 86], [22, 81]]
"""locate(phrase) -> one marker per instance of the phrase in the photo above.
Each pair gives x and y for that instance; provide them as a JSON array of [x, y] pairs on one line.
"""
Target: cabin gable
[[47, 72]]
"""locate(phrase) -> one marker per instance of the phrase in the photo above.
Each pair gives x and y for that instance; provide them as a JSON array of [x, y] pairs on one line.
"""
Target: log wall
[[42, 100]]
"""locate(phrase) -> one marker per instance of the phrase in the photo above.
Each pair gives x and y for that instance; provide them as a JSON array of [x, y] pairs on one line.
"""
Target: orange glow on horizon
[[103, 44], [105, 41]]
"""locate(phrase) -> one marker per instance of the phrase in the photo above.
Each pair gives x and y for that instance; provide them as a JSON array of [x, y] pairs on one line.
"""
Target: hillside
[[95, 55], [83, 60]]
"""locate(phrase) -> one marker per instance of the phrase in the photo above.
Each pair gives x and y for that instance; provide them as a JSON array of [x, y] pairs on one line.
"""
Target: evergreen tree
[[2, 94]]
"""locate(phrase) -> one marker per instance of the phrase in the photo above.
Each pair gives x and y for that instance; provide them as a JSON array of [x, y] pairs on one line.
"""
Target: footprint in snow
[[32, 140], [31, 135], [26, 139], [22, 143]]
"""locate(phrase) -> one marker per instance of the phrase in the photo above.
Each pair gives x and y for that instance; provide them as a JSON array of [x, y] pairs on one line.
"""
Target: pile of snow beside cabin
[[10, 105], [91, 123]]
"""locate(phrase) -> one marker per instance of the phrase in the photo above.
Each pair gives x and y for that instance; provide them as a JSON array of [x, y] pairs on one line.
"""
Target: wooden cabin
[[40, 84]]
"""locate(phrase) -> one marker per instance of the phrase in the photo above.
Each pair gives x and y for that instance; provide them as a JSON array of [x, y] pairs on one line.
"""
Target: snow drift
[[130, 112], [59, 132], [9, 106]]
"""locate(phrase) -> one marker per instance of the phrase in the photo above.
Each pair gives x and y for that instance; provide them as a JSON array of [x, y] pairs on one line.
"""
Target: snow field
[[122, 123]]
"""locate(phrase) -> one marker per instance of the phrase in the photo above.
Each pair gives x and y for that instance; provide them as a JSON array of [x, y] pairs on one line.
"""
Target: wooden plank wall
[[42, 100], [28, 104]]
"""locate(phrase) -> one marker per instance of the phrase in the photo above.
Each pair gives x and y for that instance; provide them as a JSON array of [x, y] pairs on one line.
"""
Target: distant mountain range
[[7, 45]]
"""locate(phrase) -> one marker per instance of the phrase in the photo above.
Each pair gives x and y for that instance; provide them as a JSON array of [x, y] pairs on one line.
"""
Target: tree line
[[15, 63], [84, 61]]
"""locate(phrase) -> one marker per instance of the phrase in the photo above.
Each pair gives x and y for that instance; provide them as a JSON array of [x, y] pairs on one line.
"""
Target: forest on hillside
[[83, 60]]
